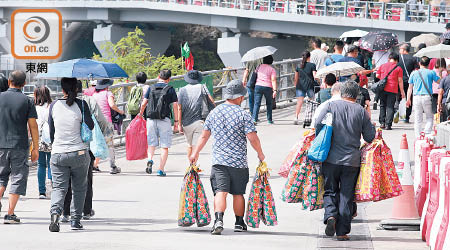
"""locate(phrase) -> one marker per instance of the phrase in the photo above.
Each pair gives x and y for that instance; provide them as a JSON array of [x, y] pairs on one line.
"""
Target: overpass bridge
[[235, 19]]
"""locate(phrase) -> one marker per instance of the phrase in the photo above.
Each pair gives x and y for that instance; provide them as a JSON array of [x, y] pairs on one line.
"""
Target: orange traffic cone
[[404, 212]]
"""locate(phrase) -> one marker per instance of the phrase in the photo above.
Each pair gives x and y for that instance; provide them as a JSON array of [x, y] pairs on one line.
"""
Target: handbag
[[379, 86], [252, 80], [321, 145], [207, 104], [86, 133]]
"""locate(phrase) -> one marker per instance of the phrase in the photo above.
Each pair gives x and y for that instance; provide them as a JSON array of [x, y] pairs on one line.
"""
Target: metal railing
[[285, 79], [335, 8]]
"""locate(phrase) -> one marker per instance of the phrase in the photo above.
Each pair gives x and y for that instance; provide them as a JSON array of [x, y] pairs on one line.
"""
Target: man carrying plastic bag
[[193, 202], [261, 205], [136, 139], [230, 126], [341, 168]]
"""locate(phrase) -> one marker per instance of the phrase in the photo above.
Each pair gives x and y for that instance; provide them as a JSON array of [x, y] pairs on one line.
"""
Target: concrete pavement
[[139, 211]]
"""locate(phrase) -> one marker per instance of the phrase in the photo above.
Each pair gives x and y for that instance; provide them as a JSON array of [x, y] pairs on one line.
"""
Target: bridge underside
[[235, 23]]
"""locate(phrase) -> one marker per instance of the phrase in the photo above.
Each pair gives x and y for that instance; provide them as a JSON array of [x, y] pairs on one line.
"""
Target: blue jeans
[[43, 164], [251, 99], [267, 92]]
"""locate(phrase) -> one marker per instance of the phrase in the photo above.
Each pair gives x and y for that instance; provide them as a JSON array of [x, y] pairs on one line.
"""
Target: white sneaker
[[295, 121], [42, 196]]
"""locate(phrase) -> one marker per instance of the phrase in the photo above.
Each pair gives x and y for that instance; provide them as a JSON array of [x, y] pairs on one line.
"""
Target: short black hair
[[352, 48], [446, 42], [330, 79], [339, 44], [406, 47], [316, 41], [165, 74], [268, 59], [421, 46], [17, 78], [424, 61], [141, 77], [394, 56]]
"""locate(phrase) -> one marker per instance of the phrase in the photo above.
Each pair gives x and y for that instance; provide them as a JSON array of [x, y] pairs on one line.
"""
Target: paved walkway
[[138, 211]]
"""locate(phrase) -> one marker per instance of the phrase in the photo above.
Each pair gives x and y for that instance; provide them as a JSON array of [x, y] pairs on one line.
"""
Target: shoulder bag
[[379, 86], [252, 80], [86, 133], [207, 105]]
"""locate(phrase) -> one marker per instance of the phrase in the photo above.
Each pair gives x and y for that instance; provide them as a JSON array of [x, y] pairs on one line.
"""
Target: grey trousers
[[69, 166]]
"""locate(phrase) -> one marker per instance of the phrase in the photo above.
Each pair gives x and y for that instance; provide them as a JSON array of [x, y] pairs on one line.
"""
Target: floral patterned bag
[[377, 179], [188, 209], [303, 145], [203, 217], [305, 184], [261, 204]]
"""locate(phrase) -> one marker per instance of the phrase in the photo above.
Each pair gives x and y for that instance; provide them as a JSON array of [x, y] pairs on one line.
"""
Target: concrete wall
[[231, 49], [158, 40]]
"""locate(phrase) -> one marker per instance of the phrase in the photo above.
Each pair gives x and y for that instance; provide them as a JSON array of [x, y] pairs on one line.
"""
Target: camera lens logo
[[36, 29], [36, 34]]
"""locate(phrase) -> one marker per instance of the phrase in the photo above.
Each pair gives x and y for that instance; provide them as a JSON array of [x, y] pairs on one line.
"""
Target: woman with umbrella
[[304, 79], [70, 158], [105, 100], [266, 85]]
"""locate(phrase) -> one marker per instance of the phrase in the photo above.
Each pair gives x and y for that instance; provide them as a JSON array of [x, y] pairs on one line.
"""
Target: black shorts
[[228, 179]]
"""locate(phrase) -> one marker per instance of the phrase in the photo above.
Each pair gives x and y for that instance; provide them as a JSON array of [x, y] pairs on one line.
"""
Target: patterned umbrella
[[375, 41]]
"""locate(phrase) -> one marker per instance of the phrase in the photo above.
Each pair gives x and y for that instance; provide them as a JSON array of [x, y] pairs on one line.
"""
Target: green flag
[[185, 51]]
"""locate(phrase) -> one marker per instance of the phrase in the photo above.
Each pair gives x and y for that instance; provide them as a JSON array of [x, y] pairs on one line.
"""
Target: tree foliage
[[133, 55]]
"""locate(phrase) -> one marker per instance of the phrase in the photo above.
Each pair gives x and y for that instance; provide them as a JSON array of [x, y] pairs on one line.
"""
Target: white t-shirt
[[318, 57], [42, 112]]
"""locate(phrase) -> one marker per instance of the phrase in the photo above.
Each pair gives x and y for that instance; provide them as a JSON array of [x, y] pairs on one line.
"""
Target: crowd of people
[[60, 129]]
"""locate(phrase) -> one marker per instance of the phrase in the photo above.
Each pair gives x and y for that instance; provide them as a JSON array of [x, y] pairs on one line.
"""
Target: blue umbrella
[[83, 69]]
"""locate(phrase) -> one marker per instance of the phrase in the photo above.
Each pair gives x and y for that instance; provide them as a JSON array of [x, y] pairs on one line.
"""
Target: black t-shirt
[[308, 70], [409, 65], [15, 110]]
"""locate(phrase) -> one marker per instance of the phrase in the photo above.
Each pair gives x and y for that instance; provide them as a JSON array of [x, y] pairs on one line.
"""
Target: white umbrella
[[436, 51], [354, 33], [340, 69], [258, 53], [429, 39]]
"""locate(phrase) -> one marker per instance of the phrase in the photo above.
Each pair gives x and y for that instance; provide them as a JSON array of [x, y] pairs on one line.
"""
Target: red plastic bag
[[136, 139]]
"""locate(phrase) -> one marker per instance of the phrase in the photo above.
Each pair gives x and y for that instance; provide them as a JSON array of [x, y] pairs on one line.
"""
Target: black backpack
[[360, 98], [158, 107]]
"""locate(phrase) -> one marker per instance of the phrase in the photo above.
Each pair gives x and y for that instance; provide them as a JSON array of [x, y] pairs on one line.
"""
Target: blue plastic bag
[[320, 146], [98, 144]]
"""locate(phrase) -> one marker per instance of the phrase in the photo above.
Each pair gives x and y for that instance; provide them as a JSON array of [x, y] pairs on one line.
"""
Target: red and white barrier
[[417, 163], [443, 237], [422, 189], [433, 192], [445, 162]]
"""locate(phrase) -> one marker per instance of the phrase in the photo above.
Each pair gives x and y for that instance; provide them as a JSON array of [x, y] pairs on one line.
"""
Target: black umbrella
[[375, 41]]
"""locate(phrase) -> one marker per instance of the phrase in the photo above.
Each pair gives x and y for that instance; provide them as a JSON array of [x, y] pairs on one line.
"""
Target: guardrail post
[[429, 13], [306, 7], [269, 8], [367, 10], [345, 8], [218, 3], [383, 10], [253, 5], [191, 2], [235, 4], [288, 7], [406, 12], [325, 7]]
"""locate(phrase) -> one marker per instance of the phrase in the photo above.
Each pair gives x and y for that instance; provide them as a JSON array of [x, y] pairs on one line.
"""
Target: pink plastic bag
[[136, 139]]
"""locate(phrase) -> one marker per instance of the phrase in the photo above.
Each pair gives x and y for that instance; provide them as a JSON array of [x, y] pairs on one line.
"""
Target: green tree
[[133, 55]]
